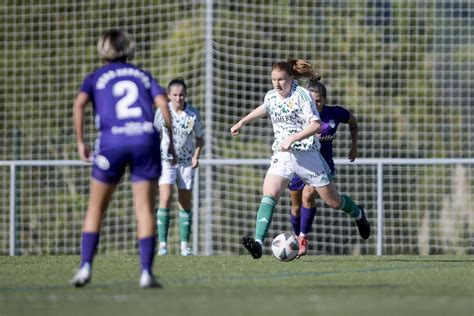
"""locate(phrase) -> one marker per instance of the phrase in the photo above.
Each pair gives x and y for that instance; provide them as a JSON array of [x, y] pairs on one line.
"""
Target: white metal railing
[[379, 163]]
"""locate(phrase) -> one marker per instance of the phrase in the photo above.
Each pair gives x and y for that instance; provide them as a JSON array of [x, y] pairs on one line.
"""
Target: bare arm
[[197, 152], [78, 117], [257, 113], [354, 129], [161, 102], [313, 128]]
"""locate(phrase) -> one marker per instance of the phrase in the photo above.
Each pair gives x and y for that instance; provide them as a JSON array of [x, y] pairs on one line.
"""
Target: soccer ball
[[285, 247]]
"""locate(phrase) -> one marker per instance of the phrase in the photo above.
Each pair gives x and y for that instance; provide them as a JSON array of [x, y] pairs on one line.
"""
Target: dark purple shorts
[[144, 162], [296, 184]]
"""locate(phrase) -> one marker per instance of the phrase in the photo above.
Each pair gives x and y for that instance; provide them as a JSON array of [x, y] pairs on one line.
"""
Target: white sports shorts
[[310, 166], [180, 174]]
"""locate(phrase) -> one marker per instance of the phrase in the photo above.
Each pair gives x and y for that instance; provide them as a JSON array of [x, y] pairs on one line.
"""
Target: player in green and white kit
[[296, 122], [186, 122]]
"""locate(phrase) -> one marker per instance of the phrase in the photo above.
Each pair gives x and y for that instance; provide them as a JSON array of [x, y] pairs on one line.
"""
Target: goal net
[[404, 68]]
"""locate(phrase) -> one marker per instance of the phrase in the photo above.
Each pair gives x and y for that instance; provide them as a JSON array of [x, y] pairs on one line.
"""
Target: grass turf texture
[[240, 285]]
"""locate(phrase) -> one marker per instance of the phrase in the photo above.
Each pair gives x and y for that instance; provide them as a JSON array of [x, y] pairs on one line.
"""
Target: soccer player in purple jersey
[[303, 207], [296, 122], [122, 97]]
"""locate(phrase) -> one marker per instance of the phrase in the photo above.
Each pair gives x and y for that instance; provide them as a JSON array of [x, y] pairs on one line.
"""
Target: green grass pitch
[[240, 285]]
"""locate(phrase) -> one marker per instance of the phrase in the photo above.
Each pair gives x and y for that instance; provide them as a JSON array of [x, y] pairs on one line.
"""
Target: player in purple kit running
[[122, 97], [303, 207]]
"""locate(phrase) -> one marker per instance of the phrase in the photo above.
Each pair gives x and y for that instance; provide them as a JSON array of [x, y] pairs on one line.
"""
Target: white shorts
[[179, 174], [310, 166]]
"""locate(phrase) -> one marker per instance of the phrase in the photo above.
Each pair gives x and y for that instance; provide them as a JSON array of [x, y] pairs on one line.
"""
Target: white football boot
[[162, 248], [148, 280], [83, 276], [163, 251], [186, 250]]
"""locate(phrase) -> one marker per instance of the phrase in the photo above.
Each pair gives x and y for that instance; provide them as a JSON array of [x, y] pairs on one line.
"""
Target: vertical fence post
[[12, 210], [380, 211], [196, 212], [209, 127]]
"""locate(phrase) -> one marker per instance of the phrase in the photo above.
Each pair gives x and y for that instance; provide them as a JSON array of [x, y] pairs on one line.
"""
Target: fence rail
[[379, 163]]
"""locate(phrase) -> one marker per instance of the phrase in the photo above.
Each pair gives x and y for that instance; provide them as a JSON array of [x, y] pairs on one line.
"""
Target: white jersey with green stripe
[[291, 115], [185, 124]]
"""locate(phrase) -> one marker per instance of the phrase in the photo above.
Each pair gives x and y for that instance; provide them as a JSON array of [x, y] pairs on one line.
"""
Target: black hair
[[179, 81], [316, 86]]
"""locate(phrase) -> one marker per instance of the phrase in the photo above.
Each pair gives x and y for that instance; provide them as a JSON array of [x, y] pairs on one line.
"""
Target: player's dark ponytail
[[316, 86]]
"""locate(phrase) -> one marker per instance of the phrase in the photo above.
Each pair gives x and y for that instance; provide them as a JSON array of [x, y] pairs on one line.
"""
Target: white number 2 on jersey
[[128, 91]]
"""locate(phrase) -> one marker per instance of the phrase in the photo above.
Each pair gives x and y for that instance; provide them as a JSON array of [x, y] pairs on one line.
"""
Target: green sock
[[264, 216], [163, 223], [348, 206], [185, 221]]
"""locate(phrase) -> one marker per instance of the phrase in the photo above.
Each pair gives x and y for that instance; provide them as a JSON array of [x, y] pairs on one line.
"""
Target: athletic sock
[[307, 216], [264, 217], [349, 207], [147, 252], [89, 246], [163, 223], [295, 223], [185, 221]]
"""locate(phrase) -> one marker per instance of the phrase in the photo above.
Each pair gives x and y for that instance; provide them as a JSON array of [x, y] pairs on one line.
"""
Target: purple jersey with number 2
[[331, 117], [122, 97]]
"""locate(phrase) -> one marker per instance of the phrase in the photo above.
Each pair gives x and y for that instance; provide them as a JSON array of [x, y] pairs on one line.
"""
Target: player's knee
[[334, 203], [295, 209], [165, 203], [309, 204], [309, 199]]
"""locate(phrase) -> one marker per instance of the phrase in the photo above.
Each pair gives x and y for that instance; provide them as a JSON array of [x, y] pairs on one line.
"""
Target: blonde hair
[[115, 44], [296, 68]]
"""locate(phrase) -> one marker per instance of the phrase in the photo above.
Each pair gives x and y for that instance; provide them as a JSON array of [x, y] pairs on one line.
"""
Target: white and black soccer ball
[[285, 247]]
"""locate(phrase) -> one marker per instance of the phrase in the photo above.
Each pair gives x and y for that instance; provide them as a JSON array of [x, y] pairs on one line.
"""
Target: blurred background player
[[186, 122], [295, 121], [303, 208], [122, 97]]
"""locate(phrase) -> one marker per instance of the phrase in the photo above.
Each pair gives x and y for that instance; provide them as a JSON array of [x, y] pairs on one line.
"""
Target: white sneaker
[[163, 251], [148, 280], [82, 276], [185, 252]]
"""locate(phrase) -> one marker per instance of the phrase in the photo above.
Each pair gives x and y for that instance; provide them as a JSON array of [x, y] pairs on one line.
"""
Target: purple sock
[[89, 245], [307, 216], [147, 252], [295, 223]]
